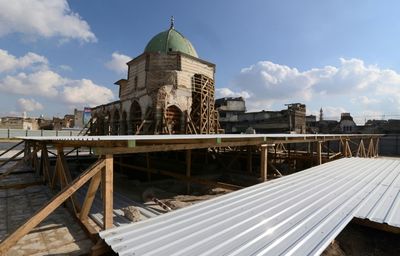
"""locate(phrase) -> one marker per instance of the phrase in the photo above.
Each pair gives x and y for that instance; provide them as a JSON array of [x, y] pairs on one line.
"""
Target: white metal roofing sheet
[[297, 214]]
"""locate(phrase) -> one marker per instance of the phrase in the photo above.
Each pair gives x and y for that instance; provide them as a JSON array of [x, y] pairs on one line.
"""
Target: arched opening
[[115, 123], [135, 117], [124, 124], [100, 125], [173, 120], [94, 125], [107, 124]]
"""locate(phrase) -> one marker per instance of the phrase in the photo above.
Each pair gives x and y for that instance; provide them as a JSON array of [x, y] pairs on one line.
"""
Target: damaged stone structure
[[234, 118], [169, 90]]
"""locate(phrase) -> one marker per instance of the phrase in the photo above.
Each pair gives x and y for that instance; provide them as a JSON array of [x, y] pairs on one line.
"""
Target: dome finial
[[172, 22]]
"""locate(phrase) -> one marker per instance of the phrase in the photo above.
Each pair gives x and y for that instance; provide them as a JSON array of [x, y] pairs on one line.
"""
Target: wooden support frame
[[45, 164], [90, 195], [319, 152], [263, 162], [361, 149], [52, 205], [107, 181]]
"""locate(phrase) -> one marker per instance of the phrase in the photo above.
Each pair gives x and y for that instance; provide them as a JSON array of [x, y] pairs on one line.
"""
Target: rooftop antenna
[[172, 23]]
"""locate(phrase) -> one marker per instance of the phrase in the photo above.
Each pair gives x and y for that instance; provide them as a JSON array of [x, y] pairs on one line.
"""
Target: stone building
[[25, 123], [234, 119], [168, 90], [347, 124]]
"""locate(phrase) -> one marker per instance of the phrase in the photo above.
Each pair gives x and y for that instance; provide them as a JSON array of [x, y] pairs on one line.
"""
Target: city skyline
[[59, 55]]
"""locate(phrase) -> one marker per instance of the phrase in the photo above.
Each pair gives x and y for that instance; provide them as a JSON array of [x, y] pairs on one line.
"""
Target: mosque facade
[[168, 90]]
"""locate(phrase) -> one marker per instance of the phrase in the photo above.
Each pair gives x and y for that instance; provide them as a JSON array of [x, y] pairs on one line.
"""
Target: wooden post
[[188, 168], [263, 162], [319, 152], [377, 147], [107, 180], [328, 150], [45, 164]]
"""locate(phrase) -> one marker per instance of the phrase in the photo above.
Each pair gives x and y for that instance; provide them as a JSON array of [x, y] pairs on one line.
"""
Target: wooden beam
[[379, 226], [107, 180], [376, 147], [319, 152], [47, 209], [46, 164], [8, 150], [65, 176], [90, 195], [12, 168], [263, 162], [12, 158]]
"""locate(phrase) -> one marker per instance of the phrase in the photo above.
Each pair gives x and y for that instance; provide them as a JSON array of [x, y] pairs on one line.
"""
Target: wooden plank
[[90, 195], [47, 209], [319, 152], [107, 180], [263, 162]]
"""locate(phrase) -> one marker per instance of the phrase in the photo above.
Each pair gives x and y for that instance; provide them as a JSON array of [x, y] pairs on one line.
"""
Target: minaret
[[172, 21], [321, 115]]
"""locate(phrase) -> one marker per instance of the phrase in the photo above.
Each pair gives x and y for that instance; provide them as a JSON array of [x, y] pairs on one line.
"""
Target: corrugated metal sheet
[[299, 214]]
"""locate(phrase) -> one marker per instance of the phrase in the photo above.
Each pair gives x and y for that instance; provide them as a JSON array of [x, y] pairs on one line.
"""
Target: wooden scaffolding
[[203, 116]]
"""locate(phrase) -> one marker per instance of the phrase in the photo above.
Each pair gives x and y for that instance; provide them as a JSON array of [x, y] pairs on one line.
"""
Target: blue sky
[[339, 55]]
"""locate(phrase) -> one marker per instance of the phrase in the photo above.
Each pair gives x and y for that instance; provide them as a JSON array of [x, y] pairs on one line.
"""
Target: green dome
[[170, 41]]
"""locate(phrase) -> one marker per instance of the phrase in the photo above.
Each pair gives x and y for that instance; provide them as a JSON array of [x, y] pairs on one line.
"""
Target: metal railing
[[13, 133]]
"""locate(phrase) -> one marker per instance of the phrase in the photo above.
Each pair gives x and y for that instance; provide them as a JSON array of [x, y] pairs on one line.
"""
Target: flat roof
[[296, 214]]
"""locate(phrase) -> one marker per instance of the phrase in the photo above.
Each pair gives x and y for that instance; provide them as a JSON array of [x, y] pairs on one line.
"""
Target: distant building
[[229, 110], [78, 118], [347, 124], [328, 126], [311, 124], [25, 123], [234, 119]]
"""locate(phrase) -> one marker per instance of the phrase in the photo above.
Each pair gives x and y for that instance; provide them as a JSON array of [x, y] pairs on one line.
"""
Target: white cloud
[[43, 83], [226, 92], [28, 105], [10, 63], [351, 85], [46, 18], [85, 93], [65, 67], [48, 84], [118, 63]]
